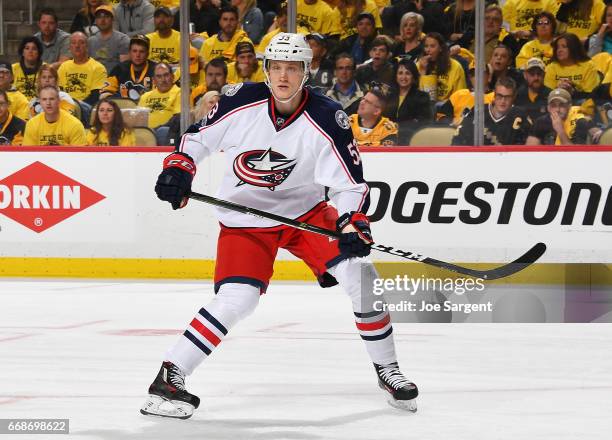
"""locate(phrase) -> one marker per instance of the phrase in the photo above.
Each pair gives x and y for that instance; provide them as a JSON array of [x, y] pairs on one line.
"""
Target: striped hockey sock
[[377, 332], [203, 334]]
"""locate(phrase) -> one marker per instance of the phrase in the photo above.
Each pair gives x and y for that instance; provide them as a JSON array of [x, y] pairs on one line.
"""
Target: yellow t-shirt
[[26, 84], [381, 134], [441, 87], [463, 99], [534, 48], [19, 104], [583, 75], [194, 80], [265, 40], [167, 3], [345, 19], [67, 130], [232, 74], [163, 105], [127, 138], [78, 80], [165, 50], [570, 123], [519, 13], [318, 17], [584, 28], [214, 48]]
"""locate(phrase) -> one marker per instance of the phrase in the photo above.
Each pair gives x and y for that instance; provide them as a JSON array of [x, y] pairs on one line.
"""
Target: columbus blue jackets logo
[[263, 168]]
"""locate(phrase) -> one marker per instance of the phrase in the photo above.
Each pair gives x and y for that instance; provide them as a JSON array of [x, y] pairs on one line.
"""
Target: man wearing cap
[[109, 46], [134, 17], [532, 94], [321, 68], [246, 68], [224, 43], [564, 124], [359, 44], [165, 41], [18, 102], [197, 75], [131, 78], [55, 41]]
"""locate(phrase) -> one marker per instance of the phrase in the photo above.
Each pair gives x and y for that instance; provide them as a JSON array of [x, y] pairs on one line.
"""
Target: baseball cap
[[366, 15], [560, 94], [317, 37], [193, 60], [244, 47], [163, 10], [105, 8], [5, 65], [535, 62]]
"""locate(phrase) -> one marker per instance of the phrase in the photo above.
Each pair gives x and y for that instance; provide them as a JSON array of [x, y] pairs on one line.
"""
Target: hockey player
[[284, 144]]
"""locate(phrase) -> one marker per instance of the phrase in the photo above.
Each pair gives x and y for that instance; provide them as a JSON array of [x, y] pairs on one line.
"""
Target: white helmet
[[288, 47]]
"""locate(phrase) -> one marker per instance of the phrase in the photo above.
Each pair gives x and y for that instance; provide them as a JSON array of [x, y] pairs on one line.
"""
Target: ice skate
[[401, 393], [168, 396]]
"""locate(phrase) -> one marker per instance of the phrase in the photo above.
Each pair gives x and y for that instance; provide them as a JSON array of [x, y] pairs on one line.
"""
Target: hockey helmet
[[288, 47]]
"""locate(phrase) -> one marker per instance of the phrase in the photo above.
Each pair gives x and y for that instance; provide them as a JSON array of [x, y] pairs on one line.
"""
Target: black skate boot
[[168, 396], [402, 393]]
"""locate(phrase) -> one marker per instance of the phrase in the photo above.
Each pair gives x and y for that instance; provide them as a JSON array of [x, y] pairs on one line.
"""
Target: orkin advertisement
[[459, 206]]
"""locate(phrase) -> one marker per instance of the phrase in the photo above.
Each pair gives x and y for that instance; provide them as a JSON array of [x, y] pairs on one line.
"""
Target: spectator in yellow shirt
[[369, 125], [441, 75], [246, 68], [108, 127], [165, 42], [26, 69], [216, 78], [48, 77], [580, 17], [318, 17], [19, 103], [11, 127], [519, 14], [571, 68], [164, 101], [544, 26], [82, 76], [224, 43], [53, 126]]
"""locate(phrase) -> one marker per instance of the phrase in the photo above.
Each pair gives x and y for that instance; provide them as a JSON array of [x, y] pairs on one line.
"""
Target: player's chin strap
[[284, 101]]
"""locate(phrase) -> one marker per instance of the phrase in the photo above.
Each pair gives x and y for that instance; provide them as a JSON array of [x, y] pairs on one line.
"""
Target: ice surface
[[296, 369]]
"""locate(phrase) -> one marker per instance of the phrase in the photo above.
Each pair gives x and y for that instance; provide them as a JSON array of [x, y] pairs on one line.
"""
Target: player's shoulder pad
[[234, 97], [330, 117]]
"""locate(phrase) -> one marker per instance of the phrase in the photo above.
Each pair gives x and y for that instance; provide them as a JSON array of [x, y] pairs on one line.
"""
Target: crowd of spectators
[[395, 66]]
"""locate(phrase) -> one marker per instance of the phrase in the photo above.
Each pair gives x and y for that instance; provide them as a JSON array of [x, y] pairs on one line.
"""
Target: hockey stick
[[528, 258]]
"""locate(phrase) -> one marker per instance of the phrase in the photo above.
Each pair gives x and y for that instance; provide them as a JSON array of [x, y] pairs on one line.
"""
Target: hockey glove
[[174, 183], [356, 239]]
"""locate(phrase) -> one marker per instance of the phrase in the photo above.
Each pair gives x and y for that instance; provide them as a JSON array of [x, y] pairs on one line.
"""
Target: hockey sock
[[356, 276], [232, 303]]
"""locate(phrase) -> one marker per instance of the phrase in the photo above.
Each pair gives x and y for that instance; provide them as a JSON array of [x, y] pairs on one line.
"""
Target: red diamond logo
[[39, 197]]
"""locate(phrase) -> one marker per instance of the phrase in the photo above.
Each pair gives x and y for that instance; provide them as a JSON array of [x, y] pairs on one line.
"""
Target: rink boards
[[92, 212]]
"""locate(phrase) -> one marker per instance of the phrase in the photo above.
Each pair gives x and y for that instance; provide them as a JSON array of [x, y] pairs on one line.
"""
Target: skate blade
[[404, 405], [160, 407]]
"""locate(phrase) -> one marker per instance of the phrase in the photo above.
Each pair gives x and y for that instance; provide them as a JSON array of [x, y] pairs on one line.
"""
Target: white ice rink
[[296, 369]]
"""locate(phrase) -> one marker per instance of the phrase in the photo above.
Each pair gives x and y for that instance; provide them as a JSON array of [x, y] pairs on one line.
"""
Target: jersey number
[[354, 152]]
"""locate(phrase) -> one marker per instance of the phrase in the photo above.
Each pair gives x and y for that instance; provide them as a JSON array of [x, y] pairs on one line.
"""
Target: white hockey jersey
[[280, 168]]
